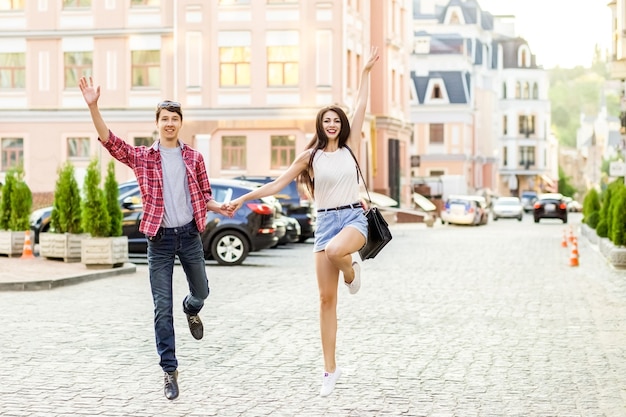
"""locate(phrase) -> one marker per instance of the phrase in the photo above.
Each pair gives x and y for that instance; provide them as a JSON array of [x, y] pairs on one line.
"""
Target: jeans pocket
[[157, 237]]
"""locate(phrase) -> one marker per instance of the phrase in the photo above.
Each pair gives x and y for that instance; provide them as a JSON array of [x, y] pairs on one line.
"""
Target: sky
[[559, 32]]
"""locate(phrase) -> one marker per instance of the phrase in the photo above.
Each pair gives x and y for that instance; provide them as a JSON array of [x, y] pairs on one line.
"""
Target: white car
[[507, 207], [464, 209]]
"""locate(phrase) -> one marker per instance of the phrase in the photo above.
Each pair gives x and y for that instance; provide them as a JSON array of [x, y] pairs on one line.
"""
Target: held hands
[[229, 209], [90, 94]]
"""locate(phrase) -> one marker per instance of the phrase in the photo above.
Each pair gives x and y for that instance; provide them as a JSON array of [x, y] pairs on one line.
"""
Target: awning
[[380, 200], [423, 203], [549, 181]]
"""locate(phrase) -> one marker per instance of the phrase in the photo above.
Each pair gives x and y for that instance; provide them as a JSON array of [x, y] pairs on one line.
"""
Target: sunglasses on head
[[169, 104]]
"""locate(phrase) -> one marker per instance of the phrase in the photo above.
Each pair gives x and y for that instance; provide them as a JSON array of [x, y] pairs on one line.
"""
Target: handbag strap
[[358, 168]]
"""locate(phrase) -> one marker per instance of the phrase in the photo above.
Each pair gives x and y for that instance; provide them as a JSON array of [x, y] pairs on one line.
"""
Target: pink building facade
[[250, 75]]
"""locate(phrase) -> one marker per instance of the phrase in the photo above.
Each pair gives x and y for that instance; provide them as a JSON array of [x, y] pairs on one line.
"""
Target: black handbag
[[378, 233]]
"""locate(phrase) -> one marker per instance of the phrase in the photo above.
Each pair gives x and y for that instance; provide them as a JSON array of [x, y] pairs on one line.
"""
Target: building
[[480, 103], [250, 75]]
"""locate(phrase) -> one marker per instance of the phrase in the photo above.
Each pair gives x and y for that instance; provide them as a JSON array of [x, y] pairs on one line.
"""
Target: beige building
[[250, 74]]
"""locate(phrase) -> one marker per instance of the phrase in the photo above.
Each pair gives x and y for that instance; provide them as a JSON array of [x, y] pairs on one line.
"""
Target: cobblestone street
[[450, 321]]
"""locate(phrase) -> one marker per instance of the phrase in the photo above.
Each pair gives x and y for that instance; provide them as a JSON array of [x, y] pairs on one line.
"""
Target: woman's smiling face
[[331, 124]]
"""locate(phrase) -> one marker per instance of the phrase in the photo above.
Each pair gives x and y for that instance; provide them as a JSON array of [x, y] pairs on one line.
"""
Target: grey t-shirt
[[176, 197]]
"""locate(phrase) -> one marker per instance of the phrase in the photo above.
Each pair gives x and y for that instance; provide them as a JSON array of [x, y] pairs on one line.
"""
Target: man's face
[[169, 124]]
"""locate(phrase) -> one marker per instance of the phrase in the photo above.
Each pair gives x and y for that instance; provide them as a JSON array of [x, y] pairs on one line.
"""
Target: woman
[[328, 169]]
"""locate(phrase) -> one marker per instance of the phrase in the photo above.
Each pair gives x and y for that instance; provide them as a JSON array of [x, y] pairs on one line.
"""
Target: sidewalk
[[18, 274]]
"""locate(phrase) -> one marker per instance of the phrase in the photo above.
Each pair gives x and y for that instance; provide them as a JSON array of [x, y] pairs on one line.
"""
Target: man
[[176, 194]]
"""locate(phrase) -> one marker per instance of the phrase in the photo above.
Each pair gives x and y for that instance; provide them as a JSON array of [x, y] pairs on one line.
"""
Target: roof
[[456, 83]]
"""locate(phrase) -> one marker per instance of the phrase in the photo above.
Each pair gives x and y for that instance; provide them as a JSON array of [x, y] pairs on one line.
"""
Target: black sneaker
[[195, 326], [171, 385]]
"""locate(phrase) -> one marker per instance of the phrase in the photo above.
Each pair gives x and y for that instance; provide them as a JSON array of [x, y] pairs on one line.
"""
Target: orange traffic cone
[[573, 258], [575, 246], [571, 234], [564, 242], [27, 253]]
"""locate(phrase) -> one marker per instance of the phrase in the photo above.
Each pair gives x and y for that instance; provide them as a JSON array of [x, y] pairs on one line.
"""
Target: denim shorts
[[330, 223]]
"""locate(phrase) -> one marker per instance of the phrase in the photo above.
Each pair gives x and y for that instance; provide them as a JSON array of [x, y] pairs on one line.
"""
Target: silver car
[[507, 207]]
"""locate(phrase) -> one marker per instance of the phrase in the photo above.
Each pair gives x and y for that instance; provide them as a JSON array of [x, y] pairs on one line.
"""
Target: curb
[[127, 268]]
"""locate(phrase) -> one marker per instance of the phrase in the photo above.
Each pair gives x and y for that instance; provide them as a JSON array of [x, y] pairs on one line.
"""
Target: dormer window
[[454, 18], [436, 92]]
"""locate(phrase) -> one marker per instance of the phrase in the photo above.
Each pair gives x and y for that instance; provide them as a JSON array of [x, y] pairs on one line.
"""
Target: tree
[[5, 202], [618, 211], [565, 187], [113, 206], [591, 208], [16, 203], [95, 216], [66, 209]]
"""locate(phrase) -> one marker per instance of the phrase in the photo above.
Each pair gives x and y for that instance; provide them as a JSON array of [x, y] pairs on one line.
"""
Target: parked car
[[292, 230], [550, 206], [464, 209], [528, 199], [225, 240], [507, 208], [573, 205], [294, 205]]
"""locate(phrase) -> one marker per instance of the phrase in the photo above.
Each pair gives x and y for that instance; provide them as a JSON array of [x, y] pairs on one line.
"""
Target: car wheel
[[519, 219], [495, 219], [302, 239], [536, 220], [229, 248], [565, 220]]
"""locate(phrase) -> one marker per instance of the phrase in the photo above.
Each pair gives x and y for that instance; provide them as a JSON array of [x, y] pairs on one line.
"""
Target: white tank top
[[335, 177]]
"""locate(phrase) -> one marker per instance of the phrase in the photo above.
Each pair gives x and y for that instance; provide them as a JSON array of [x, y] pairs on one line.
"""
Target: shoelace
[[169, 379], [194, 319]]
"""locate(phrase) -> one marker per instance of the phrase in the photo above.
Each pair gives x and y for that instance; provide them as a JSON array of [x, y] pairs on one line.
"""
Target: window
[[527, 125], [234, 66], [436, 172], [139, 3], [78, 147], [535, 91], [283, 151], [282, 65], [505, 156], [526, 91], [518, 90], [505, 123], [503, 90], [527, 156], [436, 133], [146, 68], [436, 92], [11, 5], [12, 70], [143, 140], [233, 152], [12, 153], [70, 4], [77, 64]]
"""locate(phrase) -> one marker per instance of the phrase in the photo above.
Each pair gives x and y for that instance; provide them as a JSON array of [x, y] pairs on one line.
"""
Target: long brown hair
[[320, 141]]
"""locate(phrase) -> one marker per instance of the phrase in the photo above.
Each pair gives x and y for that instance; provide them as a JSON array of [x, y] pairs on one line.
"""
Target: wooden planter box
[[66, 246], [12, 243], [104, 252]]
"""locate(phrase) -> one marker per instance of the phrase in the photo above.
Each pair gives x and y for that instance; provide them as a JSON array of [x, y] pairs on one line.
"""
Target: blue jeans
[[185, 242]]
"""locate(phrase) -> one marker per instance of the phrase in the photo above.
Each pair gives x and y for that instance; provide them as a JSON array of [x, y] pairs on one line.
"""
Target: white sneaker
[[355, 285], [328, 382]]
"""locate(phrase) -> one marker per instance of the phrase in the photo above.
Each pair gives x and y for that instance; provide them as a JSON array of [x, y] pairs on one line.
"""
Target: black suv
[[293, 204]]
